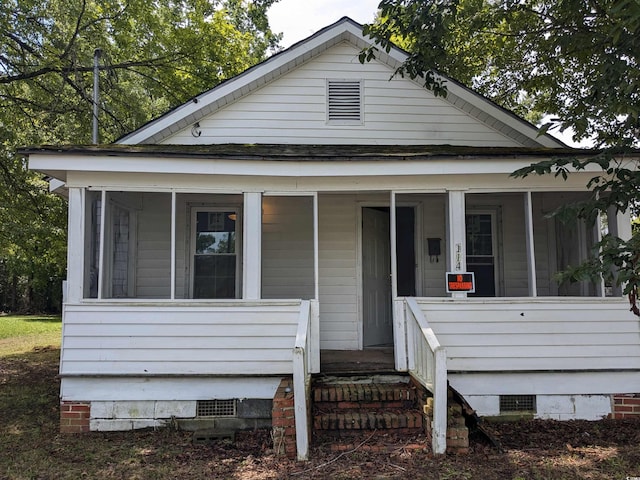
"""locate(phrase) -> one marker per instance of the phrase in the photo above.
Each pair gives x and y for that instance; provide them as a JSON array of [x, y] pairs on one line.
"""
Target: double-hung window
[[215, 262]]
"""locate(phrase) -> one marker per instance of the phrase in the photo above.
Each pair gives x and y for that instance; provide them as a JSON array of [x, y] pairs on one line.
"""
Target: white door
[[376, 278]]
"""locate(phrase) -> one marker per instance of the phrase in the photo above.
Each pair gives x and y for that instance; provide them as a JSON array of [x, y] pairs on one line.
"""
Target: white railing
[[427, 362], [306, 360]]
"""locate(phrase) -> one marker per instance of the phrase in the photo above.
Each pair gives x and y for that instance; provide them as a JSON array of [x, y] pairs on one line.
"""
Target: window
[[215, 260], [344, 102]]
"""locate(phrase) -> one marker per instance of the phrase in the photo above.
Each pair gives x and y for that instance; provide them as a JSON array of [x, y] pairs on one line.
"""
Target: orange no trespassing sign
[[461, 282]]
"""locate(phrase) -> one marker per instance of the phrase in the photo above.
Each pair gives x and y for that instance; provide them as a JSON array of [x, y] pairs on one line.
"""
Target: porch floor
[[374, 360]]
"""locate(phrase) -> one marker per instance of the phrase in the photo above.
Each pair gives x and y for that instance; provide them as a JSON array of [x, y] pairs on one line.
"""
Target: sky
[[298, 19]]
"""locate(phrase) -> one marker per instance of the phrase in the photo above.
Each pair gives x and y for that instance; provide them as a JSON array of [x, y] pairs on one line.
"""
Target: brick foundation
[[74, 417], [626, 406], [283, 420]]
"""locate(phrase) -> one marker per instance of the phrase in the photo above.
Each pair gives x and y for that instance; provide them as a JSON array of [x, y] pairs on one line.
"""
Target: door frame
[[496, 242], [418, 252]]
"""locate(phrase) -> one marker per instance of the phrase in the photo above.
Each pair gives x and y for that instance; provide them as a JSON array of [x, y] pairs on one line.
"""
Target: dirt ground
[[32, 448]]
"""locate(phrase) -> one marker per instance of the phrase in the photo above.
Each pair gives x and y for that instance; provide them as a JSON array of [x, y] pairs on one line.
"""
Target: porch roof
[[285, 152]]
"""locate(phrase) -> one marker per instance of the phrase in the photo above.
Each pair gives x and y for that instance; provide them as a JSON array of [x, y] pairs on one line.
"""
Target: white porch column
[[393, 247], [252, 246], [456, 235], [620, 226], [103, 236], [75, 245], [531, 255], [173, 245], [316, 249]]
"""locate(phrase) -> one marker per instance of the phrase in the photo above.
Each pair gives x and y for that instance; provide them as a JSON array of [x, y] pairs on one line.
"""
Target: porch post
[[314, 329], [173, 245], [252, 246], [103, 209], [531, 255], [620, 226], [316, 249], [75, 245], [398, 312], [392, 244], [597, 236], [456, 233]]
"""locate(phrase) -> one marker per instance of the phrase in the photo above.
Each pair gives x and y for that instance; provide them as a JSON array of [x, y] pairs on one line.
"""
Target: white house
[[316, 202]]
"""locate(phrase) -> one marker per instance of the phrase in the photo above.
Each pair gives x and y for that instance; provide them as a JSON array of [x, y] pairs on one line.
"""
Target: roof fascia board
[[191, 111], [273, 168]]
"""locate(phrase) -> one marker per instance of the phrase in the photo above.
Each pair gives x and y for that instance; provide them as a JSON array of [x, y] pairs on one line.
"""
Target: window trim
[[194, 210], [495, 244]]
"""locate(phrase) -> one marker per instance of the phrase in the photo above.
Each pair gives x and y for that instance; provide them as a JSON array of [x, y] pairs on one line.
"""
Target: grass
[[23, 333], [32, 448]]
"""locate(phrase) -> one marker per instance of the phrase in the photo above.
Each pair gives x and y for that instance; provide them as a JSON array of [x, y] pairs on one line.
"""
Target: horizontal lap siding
[[292, 109], [338, 283], [562, 336], [287, 247], [179, 340], [434, 226], [153, 270]]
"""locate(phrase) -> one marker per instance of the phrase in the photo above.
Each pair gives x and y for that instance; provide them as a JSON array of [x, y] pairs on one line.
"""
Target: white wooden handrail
[[429, 366], [301, 379], [427, 331]]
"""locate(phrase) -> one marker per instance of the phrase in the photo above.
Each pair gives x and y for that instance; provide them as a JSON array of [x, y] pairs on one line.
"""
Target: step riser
[[411, 421], [358, 406], [363, 393]]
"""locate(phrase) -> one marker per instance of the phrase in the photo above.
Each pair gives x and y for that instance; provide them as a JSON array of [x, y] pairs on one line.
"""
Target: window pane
[[215, 276], [215, 232]]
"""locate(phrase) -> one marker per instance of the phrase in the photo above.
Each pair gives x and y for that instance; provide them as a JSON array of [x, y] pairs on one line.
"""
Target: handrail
[[301, 379], [429, 368], [427, 331]]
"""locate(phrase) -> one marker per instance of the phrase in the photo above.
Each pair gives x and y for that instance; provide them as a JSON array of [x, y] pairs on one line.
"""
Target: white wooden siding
[[153, 255], [287, 247], [530, 335], [434, 226], [292, 109], [236, 338], [338, 282]]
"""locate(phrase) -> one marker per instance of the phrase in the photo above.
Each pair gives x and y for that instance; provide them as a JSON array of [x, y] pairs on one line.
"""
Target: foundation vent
[[517, 403], [216, 408]]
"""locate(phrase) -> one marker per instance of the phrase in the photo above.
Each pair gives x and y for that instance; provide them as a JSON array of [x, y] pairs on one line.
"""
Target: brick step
[[409, 421], [387, 441], [364, 392]]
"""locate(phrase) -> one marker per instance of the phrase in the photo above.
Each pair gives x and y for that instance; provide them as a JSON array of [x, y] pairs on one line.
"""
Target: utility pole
[[96, 93]]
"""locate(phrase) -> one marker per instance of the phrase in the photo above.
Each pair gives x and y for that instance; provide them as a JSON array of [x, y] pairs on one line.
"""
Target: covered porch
[[257, 284]]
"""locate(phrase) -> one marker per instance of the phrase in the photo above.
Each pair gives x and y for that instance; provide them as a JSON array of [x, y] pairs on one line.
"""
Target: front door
[[376, 278]]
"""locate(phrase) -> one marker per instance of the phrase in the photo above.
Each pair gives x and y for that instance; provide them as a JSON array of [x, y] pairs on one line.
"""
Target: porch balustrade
[[427, 362]]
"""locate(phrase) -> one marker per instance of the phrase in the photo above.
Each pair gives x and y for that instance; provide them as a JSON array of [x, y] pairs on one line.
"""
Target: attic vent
[[344, 102], [216, 408], [517, 403]]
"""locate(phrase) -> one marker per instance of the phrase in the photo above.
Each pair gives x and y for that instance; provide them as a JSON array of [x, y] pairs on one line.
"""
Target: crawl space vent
[[216, 408], [517, 403], [344, 98]]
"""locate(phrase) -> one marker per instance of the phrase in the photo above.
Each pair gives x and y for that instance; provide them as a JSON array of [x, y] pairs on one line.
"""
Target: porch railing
[[427, 362], [306, 360]]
